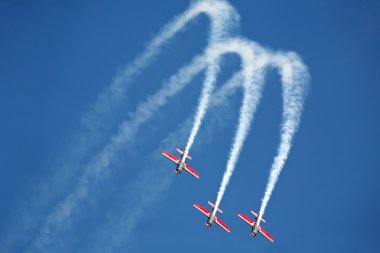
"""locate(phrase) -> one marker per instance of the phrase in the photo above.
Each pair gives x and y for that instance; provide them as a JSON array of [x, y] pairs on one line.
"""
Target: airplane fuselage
[[255, 229], [210, 220], [180, 166]]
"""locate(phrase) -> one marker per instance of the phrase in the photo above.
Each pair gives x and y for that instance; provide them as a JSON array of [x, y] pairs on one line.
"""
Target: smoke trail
[[253, 60], [295, 79], [208, 87]]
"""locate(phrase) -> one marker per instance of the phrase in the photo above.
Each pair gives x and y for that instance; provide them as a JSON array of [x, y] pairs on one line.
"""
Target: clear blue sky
[[56, 57]]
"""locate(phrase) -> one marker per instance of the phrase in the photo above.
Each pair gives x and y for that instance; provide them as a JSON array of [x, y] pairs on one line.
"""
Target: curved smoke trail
[[253, 59], [207, 89], [295, 80]]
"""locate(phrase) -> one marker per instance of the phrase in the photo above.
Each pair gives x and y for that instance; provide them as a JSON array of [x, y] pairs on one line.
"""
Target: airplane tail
[[213, 206], [182, 152], [257, 215]]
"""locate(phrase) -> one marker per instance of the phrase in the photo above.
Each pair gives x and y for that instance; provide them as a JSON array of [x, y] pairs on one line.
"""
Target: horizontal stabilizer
[[257, 215], [182, 152], [213, 206]]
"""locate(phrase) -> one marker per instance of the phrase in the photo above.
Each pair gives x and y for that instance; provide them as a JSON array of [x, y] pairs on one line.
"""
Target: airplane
[[212, 218], [255, 226], [181, 162]]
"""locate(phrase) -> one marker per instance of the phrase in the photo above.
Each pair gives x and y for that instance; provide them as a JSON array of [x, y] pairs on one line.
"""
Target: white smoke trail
[[223, 18], [295, 79], [253, 59], [207, 89]]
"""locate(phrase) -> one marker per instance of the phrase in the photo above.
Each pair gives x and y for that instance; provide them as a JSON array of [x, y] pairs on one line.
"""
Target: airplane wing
[[266, 234], [222, 224], [246, 219], [202, 209], [191, 171], [171, 157]]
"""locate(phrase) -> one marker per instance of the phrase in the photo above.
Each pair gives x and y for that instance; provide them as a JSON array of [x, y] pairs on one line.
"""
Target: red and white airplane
[[181, 163], [255, 226], [212, 218]]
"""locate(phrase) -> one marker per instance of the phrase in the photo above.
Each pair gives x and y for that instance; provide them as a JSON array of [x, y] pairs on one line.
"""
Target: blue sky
[[58, 56]]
